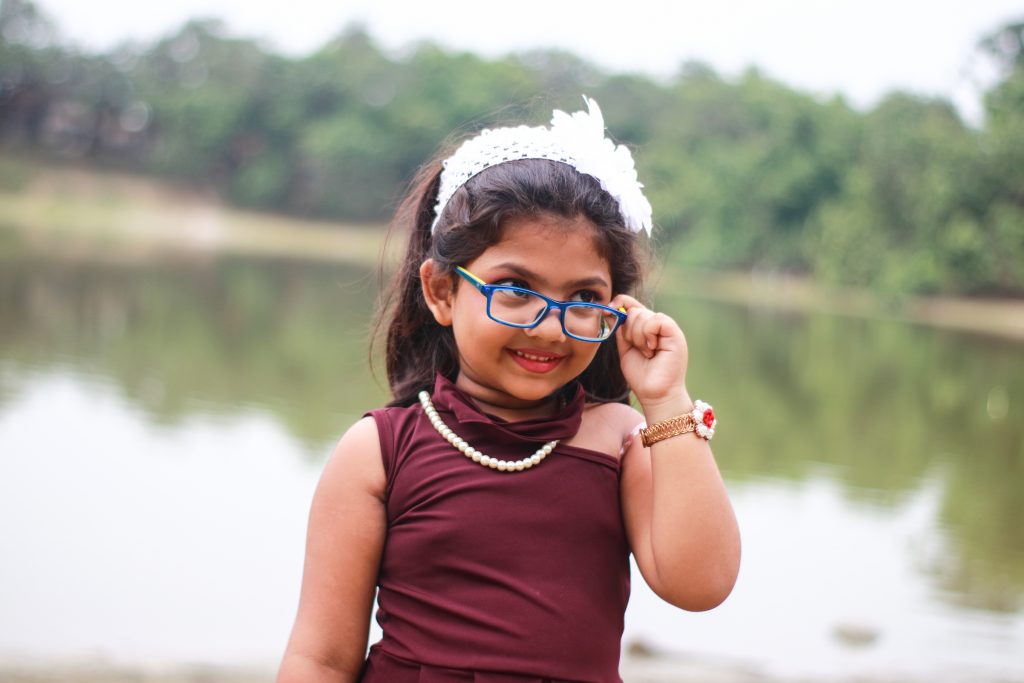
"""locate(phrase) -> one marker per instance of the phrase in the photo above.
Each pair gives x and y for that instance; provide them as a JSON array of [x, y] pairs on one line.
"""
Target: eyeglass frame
[[488, 290]]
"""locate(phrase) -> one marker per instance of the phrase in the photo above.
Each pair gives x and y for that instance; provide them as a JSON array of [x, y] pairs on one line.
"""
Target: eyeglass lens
[[522, 308]]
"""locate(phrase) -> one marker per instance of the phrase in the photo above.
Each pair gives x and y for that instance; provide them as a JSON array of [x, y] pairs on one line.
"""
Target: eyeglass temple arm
[[469, 276]]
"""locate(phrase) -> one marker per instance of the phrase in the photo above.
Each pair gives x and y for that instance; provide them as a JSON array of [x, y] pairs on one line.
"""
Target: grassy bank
[[80, 213]]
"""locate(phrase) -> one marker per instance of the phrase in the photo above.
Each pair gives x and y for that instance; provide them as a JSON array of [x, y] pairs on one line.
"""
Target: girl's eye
[[587, 296], [511, 282], [509, 294]]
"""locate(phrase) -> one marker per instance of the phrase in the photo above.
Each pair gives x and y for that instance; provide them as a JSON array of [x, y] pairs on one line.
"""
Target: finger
[[620, 301], [651, 329], [627, 342], [622, 342], [625, 337], [639, 330]]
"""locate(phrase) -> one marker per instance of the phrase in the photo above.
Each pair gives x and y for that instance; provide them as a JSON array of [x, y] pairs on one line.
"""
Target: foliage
[[743, 173]]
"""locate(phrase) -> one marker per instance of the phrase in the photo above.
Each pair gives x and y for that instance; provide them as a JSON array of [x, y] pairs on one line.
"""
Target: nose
[[549, 328]]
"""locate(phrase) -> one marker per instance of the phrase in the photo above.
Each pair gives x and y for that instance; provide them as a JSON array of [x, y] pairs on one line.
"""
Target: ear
[[438, 291]]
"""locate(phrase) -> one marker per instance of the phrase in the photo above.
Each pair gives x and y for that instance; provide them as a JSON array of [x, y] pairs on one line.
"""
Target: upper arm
[[637, 497], [347, 526]]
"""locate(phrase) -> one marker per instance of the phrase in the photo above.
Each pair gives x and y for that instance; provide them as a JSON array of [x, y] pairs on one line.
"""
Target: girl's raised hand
[[652, 353]]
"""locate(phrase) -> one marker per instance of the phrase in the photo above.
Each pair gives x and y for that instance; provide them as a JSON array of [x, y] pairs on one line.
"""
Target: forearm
[[694, 538]]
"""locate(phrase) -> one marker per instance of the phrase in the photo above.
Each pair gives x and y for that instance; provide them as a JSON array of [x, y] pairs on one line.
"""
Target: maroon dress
[[488, 576]]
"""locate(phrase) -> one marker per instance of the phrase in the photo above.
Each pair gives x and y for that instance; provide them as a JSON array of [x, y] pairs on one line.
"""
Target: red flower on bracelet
[[705, 417]]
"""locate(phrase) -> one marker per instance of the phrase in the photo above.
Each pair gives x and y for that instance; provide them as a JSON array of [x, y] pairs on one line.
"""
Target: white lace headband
[[577, 139]]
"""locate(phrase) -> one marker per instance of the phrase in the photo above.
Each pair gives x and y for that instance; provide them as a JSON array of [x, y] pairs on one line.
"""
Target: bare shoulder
[[619, 415], [607, 427], [356, 460]]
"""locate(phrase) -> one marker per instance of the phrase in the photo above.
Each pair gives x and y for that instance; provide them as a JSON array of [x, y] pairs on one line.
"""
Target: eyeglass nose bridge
[[544, 314]]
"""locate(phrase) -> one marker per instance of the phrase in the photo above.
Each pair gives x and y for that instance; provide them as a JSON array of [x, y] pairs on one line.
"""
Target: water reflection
[[202, 338], [917, 436], [885, 405], [125, 541]]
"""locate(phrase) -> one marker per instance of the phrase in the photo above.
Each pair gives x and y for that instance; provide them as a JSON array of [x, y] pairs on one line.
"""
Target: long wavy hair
[[416, 346]]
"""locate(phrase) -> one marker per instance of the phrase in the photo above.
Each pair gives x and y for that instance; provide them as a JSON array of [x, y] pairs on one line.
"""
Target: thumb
[[622, 344]]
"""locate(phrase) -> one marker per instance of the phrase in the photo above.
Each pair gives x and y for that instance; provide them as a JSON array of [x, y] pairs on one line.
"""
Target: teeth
[[530, 356]]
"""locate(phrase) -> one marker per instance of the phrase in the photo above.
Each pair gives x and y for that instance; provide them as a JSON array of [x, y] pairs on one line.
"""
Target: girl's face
[[518, 369]]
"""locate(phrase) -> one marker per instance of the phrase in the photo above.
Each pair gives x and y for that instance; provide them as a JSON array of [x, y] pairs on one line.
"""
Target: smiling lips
[[536, 360]]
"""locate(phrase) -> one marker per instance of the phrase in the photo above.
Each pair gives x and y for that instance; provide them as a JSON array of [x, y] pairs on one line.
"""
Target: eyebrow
[[527, 274]]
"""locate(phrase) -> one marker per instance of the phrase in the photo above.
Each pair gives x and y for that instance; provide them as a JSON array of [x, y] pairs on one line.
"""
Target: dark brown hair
[[417, 347]]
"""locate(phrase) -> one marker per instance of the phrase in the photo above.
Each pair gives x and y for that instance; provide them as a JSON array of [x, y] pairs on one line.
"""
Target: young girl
[[494, 504]]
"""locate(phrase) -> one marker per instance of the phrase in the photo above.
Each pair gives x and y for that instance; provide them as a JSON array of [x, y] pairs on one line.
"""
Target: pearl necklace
[[475, 455]]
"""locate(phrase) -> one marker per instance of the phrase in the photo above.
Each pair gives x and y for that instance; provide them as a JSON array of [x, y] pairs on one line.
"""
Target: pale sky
[[859, 48]]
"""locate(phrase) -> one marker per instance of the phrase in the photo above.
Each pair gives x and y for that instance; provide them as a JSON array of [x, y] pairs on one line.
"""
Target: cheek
[[586, 352], [465, 308], [470, 322]]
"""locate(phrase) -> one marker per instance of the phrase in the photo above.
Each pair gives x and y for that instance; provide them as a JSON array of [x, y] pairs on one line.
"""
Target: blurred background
[[193, 199]]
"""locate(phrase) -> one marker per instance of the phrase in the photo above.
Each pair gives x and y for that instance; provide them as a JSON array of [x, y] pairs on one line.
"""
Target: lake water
[[162, 429]]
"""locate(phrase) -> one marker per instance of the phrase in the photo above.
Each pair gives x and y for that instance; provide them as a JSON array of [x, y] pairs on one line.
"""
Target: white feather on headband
[[575, 139]]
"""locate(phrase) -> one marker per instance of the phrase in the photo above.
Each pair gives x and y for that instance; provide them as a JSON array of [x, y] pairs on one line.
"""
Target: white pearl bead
[[485, 460]]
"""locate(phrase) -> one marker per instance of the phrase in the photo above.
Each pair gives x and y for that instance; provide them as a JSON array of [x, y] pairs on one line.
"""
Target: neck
[[495, 402]]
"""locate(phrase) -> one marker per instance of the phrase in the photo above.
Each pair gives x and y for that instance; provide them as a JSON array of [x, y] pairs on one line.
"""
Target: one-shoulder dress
[[489, 576]]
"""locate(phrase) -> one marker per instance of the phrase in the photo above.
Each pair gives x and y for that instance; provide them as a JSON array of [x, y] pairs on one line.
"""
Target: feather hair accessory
[[575, 139]]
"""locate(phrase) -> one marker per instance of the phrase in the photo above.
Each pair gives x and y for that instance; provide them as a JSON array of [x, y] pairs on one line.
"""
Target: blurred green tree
[[743, 173]]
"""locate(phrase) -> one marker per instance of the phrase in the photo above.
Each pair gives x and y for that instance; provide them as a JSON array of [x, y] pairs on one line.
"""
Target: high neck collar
[[562, 425]]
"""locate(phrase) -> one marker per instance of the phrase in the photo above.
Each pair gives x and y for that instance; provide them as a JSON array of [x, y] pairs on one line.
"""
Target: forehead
[[553, 246]]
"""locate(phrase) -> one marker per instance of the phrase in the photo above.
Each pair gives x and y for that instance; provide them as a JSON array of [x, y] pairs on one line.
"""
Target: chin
[[538, 388]]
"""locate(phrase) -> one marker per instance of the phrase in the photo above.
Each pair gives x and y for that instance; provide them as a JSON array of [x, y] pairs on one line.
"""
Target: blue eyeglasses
[[525, 308]]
